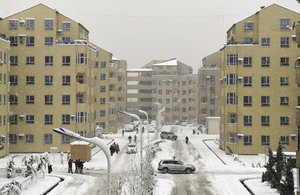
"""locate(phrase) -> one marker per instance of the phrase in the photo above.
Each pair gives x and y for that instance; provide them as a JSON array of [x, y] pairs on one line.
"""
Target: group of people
[[130, 138], [114, 148], [78, 166]]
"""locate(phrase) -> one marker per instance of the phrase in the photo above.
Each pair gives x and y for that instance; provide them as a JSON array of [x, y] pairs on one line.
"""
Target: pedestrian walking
[[129, 138], [112, 149], [135, 138], [117, 148], [123, 132], [186, 139], [70, 166]]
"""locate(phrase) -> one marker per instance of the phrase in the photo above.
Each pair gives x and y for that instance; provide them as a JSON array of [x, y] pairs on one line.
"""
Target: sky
[[139, 31]]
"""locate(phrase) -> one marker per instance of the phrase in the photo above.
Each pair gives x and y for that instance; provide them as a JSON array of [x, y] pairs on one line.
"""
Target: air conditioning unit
[[240, 78], [1, 62], [22, 116], [21, 135], [73, 116], [22, 38], [240, 60], [22, 22], [59, 31]]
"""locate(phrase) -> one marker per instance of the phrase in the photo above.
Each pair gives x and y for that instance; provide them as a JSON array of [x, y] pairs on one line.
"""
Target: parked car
[[128, 127], [183, 123], [175, 166], [168, 135], [131, 149]]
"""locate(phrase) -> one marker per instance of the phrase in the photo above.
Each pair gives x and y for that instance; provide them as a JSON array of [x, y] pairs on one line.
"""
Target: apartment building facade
[[54, 79], [258, 90], [4, 94], [167, 84], [209, 84]]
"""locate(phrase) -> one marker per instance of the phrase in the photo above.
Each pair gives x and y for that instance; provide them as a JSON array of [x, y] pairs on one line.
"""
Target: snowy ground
[[216, 172]]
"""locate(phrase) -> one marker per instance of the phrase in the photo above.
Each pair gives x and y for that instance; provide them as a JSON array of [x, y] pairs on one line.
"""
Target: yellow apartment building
[[4, 94], [55, 79], [170, 83], [258, 91], [208, 87]]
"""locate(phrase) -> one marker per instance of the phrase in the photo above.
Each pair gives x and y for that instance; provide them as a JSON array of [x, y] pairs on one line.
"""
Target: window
[[48, 80], [232, 118], [284, 120], [103, 64], [81, 117], [232, 59], [13, 24], [66, 40], [48, 99], [102, 112], [284, 42], [231, 79], [284, 23], [13, 41], [284, 81], [80, 78], [265, 100], [265, 140], [29, 138], [29, 99], [247, 100], [265, 81], [47, 138], [66, 99], [231, 98], [66, 119], [48, 40], [247, 81], [66, 26], [248, 26], [265, 120], [29, 41], [232, 138], [102, 76], [102, 100], [284, 101], [102, 89], [29, 119], [48, 60], [247, 140], [13, 79], [265, 61], [284, 61], [248, 40], [66, 60], [65, 139], [48, 24], [29, 24], [66, 80], [13, 99], [13, 138], [29, 80], [48, 119], [30, 60], [80, 98], [13, 119], [81, 58], [247, 120], [13, 60], [284, 140], [247, 61], [265, 41]]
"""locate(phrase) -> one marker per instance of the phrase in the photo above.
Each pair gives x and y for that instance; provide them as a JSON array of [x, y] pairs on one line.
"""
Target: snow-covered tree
[[269, 175], [279, 166], [287, 181]]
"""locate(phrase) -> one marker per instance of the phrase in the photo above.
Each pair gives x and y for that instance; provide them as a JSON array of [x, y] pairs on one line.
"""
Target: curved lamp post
[[96, 141], [140, 131], [144, 112]]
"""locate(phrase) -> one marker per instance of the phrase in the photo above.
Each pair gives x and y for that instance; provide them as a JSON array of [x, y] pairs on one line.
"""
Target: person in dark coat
[[129, 138], [70, 164], [112, 149], [135, 138], [117, 148], [186, 139]]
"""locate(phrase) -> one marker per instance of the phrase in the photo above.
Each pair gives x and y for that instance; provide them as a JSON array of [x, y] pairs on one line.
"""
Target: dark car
[[175, 166], [168, 135]]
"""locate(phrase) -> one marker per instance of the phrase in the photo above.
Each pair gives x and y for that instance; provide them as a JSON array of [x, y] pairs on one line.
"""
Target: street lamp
[[144, 112], [96, 141], [140, 131]]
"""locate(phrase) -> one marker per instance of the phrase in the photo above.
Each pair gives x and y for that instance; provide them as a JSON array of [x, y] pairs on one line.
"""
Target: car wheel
[[165, 170], [188, 171]]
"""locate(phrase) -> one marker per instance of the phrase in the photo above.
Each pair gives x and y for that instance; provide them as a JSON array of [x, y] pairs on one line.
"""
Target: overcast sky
[[142, 30]]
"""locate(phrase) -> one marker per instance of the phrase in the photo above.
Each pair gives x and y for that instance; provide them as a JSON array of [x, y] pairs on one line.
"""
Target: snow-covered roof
[[172, 62], [80, 143], [114, 58], [139, 69]]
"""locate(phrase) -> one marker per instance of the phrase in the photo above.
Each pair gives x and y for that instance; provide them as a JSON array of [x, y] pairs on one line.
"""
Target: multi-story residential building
[[258, 88], [4, 94], [169, 83], [208, 91], [55, 79]]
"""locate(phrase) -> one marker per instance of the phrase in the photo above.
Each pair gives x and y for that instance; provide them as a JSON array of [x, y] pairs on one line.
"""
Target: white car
[[131, 149]]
